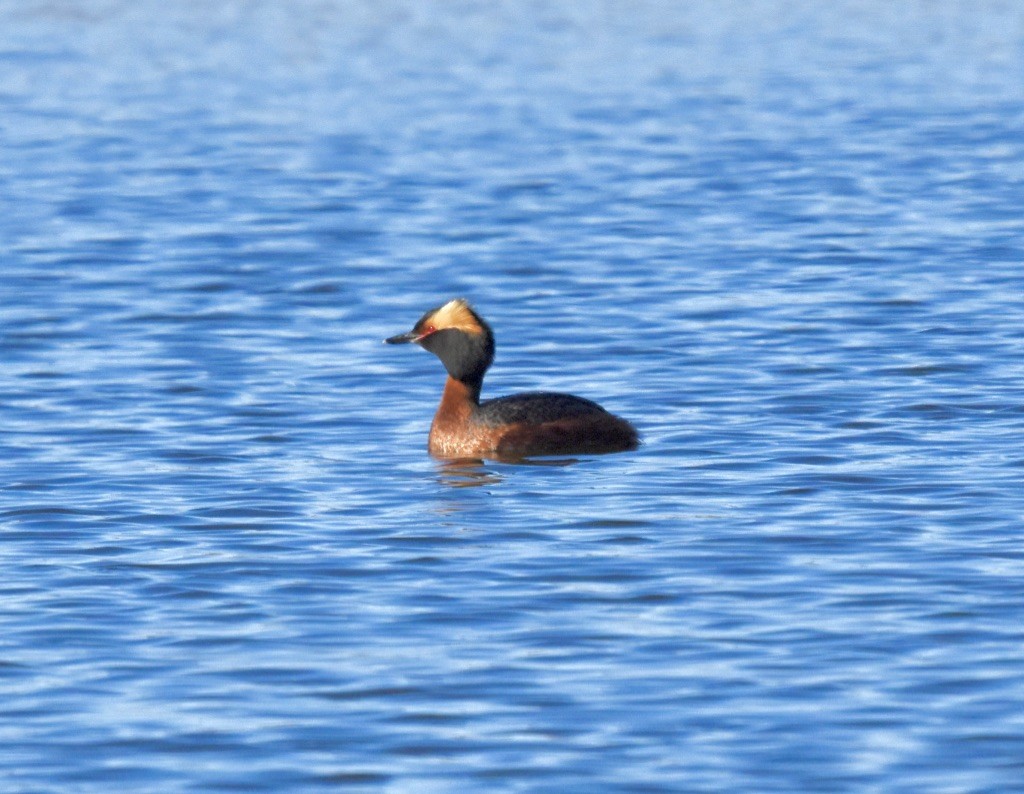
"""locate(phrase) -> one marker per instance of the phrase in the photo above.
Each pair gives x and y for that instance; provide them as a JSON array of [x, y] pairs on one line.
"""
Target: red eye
[[429, 330]]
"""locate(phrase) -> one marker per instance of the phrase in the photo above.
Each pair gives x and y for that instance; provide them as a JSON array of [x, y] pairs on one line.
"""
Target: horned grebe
[[517, 426]]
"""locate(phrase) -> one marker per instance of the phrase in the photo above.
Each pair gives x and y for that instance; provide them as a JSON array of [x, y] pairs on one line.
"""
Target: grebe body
[[517, 426]]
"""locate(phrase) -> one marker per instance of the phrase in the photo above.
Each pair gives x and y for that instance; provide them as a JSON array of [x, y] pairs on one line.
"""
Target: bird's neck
[[460, 397]]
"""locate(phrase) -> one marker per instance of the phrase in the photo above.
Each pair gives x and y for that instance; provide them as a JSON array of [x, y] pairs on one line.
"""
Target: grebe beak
[[402, 339]]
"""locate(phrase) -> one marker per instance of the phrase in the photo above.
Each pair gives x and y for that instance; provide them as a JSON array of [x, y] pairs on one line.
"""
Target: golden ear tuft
[[456, 314]]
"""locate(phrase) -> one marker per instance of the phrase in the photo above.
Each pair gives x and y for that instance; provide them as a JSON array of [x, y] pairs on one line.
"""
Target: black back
[[535, 408]]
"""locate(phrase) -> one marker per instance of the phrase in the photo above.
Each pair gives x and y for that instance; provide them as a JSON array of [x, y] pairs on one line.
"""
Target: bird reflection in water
[[465, 473], [474, 472]]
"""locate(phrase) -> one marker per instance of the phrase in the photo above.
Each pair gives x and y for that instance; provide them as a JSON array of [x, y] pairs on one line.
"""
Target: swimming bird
[[514, 427]]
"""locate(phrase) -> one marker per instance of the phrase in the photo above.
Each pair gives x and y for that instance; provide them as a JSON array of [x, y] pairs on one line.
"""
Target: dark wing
[[534, 408]]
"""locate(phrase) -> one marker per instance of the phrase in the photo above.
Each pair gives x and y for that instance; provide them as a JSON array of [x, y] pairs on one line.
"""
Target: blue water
[[786, 239]]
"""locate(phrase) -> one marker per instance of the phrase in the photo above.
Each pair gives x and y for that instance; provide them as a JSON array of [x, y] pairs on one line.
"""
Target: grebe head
[[458, 336]]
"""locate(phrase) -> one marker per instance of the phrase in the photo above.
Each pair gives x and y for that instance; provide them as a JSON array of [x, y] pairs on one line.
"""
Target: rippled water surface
[[784, 238]]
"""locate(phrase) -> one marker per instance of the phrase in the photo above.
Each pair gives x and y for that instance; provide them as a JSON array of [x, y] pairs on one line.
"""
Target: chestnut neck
[[460, 397]]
